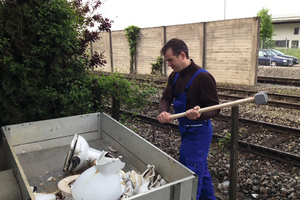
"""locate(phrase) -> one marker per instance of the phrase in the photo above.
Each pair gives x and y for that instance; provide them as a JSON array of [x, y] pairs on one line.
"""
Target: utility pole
[[224, 9]]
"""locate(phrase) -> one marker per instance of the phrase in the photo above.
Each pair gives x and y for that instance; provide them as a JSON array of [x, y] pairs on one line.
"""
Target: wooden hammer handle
[[215, 107]]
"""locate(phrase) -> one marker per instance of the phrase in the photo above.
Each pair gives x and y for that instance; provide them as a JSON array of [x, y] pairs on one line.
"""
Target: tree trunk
[[116, 109]]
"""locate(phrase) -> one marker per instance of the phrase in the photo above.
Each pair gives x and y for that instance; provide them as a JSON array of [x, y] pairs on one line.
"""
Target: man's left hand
[[193, 113]]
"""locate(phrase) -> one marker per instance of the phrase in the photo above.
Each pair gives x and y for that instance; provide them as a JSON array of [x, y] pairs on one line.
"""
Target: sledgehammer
[[259, 98]]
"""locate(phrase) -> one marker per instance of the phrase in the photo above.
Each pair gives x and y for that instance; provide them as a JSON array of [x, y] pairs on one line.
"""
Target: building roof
[[285, 19]]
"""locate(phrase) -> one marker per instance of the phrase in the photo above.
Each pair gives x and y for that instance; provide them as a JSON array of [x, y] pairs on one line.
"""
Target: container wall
[[141, 152], [36, 151], [35, 136]]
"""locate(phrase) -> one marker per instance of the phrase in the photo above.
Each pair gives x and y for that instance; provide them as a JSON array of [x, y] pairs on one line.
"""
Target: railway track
[[267, 148], [262, 138], [272, 137], [260, 79], [267, 151], [281, 97], [279, 81], [284, 102]]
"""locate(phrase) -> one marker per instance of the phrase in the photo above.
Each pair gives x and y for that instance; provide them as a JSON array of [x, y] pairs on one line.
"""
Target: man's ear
[[183, 56]]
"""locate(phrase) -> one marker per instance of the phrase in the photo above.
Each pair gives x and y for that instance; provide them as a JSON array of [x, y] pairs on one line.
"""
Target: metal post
[[234, 152], [285, 44], [270, 59], [164, 41], [91, 44], [111, 53]]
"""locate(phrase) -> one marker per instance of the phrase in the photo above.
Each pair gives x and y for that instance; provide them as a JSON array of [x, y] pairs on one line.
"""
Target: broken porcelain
[[80, 155], [100, 182]]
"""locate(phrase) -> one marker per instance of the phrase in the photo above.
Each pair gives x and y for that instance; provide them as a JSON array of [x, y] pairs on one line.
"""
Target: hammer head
[[261, 98]]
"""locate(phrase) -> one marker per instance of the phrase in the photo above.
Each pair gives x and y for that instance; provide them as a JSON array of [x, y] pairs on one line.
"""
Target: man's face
[[176, 63]]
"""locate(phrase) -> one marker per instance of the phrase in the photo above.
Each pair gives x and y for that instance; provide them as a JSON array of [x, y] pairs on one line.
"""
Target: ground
[[279, 72]]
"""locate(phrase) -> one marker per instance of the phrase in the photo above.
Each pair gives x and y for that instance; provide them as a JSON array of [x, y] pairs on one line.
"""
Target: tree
[[266, 26], [43, 59]]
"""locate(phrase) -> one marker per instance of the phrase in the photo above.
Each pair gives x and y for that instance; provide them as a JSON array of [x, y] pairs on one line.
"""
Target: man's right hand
[[164, 117]]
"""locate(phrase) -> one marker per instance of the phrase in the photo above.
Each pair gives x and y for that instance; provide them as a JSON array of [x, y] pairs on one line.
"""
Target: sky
[[154, 13]]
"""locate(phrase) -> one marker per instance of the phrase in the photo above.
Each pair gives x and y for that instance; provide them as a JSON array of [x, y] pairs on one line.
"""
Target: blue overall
[[195, 141]]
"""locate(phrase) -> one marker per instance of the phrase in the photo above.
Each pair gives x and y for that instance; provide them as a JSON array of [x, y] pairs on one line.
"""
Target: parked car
[[267, 57], [279, 53]]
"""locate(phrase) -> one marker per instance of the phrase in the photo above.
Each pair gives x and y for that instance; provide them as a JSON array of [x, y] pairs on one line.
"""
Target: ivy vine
[[132, 34], [157, 67]]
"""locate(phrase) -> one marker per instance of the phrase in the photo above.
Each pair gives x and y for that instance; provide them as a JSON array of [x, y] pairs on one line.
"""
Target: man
[[189, 88]]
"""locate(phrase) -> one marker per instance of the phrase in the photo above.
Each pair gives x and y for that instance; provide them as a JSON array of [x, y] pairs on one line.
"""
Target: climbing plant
[[157, 67], [132, 34]]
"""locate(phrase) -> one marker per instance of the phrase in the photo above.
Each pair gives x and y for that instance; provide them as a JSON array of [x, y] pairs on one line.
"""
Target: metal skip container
[[34, 153]]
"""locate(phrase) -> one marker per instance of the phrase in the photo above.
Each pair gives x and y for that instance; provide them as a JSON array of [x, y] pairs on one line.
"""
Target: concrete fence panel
[[120, 52], [192, 35], [148, 48], [231, 50], [104, 46], [228, 49]]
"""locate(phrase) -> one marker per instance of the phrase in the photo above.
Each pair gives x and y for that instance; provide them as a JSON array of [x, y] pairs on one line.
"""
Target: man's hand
[[192, 113], [164, 117]]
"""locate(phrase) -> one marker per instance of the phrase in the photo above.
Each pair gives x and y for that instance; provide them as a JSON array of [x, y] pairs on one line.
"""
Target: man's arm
[[165, 103], [209, 95]]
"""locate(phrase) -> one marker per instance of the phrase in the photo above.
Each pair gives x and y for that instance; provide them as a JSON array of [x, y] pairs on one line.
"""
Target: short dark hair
[[177, 46]]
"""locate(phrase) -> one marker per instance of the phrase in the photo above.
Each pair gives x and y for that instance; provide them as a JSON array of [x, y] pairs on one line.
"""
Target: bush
[[157, 67], [118, 91], [44, 68], [42, 60]]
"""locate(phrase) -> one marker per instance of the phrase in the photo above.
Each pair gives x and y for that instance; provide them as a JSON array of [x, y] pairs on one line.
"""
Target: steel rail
[[279, 81], [260, 79], [250, 93], [270, 102], [248, 147]]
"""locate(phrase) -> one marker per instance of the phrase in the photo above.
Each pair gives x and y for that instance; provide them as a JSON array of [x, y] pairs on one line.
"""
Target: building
[[286, 31]]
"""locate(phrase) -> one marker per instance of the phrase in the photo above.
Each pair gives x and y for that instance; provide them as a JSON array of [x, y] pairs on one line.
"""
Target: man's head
[[176, 53]]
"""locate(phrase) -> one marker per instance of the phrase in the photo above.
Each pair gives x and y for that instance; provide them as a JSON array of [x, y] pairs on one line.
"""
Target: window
[[282, 43], [295, 44], [260, 53], [296, 30]]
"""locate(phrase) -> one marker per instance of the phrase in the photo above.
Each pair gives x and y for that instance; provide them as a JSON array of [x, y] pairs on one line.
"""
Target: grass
[[291, 52]]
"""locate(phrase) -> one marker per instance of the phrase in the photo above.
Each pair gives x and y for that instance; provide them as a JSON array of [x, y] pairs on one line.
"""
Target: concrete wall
[[192, 35], [120, 52], [148, 48], [228, 49], [231, 50], [103, 45]]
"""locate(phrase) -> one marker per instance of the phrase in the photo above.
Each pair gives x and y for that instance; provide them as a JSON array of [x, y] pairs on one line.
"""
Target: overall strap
[[174, 82], [175, 79], [190, 82]]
